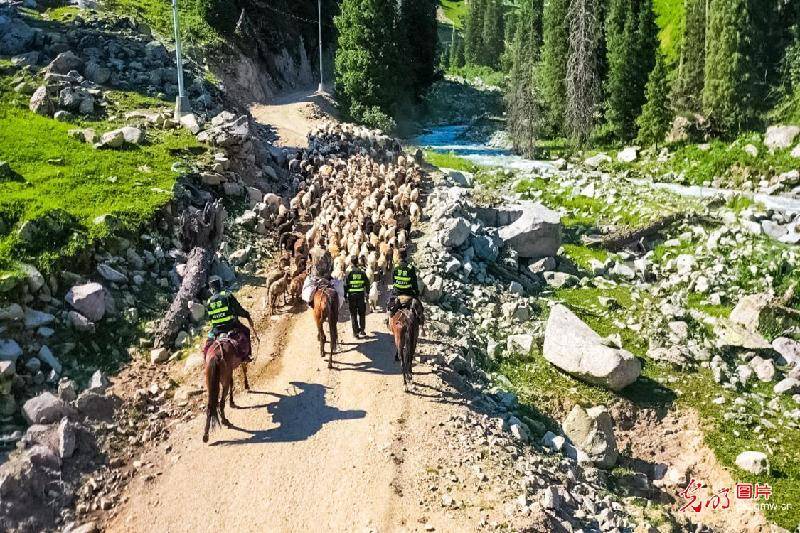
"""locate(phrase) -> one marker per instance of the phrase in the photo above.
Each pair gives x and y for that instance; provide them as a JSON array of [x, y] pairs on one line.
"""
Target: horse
[[219, 367], [405, 331], [326, 307]]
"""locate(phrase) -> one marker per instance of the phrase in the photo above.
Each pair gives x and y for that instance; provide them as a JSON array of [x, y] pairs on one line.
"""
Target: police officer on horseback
[[356, 288], [224, 311], [405, 288]]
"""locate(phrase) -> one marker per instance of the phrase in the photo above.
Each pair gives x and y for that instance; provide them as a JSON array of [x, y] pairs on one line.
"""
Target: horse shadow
[[298, 416], [379, 352]]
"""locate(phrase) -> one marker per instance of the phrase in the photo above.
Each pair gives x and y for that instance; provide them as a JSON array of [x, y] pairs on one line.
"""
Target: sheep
[[278, 288]]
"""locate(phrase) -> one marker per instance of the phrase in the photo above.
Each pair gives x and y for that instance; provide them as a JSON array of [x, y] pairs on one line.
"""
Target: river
[[446, 139]]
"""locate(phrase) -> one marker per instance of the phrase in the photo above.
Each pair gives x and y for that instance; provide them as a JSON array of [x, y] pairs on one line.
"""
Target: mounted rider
[[320, 274], [224, 311], [405, 288]]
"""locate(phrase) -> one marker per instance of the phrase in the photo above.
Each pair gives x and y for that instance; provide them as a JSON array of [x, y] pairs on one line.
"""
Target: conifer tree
[[473, 34], [552, 73], [583, 80], [493, 34], [691, 70], [654, 122], [729, 88], [418, 22]]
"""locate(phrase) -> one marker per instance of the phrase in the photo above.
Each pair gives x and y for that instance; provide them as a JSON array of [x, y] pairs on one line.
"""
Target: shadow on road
[[299, 416], [379, 351]]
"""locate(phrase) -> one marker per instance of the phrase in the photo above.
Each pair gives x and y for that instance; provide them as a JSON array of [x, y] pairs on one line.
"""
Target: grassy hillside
[[70, 184], [455, 11]]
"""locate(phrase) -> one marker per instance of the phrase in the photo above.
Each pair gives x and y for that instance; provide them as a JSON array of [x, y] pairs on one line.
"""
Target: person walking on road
[[356, 288]]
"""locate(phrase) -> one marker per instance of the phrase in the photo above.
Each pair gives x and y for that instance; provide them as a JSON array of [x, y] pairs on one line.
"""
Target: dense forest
[[595, 70]]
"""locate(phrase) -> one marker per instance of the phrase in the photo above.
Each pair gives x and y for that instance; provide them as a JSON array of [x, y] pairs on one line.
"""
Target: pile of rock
[[59, 433], [98, 51]]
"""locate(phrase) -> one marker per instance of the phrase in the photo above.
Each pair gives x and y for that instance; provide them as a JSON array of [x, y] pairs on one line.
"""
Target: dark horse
[[326, 308], [405, 331], [220, 361]]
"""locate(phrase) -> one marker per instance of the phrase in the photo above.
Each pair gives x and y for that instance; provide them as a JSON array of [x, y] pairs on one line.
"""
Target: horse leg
[[244, 371], [227, 380], [230, 393]]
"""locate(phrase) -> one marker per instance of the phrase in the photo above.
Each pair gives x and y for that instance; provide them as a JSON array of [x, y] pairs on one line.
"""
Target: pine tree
[[473, 34], [631, 45], [583, 81], [552, 72], [523, 97], [730, 87], [654, 122], [369, 71], [691, 70], [493, 34], [456, 52], [418, 22]]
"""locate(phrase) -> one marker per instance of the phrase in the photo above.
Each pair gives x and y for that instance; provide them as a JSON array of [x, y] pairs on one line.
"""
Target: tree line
[[385, 57], [595, 70]]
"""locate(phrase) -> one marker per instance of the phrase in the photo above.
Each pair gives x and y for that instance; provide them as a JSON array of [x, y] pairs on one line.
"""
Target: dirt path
[[313, 449], [292, 116]]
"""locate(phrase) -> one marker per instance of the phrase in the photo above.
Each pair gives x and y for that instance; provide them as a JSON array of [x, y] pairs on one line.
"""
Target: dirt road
[[313, 449], [292, 116]]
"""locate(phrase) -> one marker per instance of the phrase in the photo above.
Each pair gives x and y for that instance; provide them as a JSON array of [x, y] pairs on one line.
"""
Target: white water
[[445, 139]]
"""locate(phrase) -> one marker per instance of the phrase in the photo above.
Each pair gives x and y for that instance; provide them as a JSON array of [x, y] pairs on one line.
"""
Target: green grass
[[449, 160], [487, 75], [581, 255], [455, 11], [725, 160], [550, 393], [71, 184], [670, 19], [202, 25]]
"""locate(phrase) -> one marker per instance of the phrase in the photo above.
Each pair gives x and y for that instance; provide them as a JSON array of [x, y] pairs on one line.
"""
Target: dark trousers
[[358, 311]]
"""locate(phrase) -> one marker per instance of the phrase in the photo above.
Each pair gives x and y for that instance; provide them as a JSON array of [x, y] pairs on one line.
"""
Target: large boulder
[[575, 348], [15, 36], [64, 62], [89, 300], [536, 233], [40, 102], [780, 137], [592, 432], [454, 232], [748, 310], [46, 408]]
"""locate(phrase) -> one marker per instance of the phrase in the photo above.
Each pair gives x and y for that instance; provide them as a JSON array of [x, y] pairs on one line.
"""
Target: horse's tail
[[333, 318], [212, 384]]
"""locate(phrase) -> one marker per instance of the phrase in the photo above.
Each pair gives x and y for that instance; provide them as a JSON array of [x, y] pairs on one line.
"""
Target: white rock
[[575, 348], [753, 462], [536, 233], [780, 137], [89, 300], [787, 386], [521, 343], [628, 155], [159, 355]]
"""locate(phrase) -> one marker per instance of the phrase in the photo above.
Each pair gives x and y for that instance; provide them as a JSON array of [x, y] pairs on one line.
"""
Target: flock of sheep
[[357, 195]]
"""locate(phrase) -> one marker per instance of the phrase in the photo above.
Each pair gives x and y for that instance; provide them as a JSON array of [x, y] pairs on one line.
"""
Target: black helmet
[[215, 283]]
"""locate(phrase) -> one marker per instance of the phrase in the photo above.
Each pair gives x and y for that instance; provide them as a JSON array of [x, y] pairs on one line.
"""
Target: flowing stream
[[446, 139]]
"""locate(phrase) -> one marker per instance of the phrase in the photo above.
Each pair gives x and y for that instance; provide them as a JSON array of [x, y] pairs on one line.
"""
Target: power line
[[297, 17]]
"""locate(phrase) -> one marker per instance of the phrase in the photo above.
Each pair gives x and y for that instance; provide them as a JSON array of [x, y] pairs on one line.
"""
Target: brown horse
[[326, 308], [220, 363], [405, 331]]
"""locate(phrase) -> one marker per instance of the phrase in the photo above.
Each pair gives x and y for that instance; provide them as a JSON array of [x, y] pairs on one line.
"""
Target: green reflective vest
[[356, 282], [402, 279], [218, 309]]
